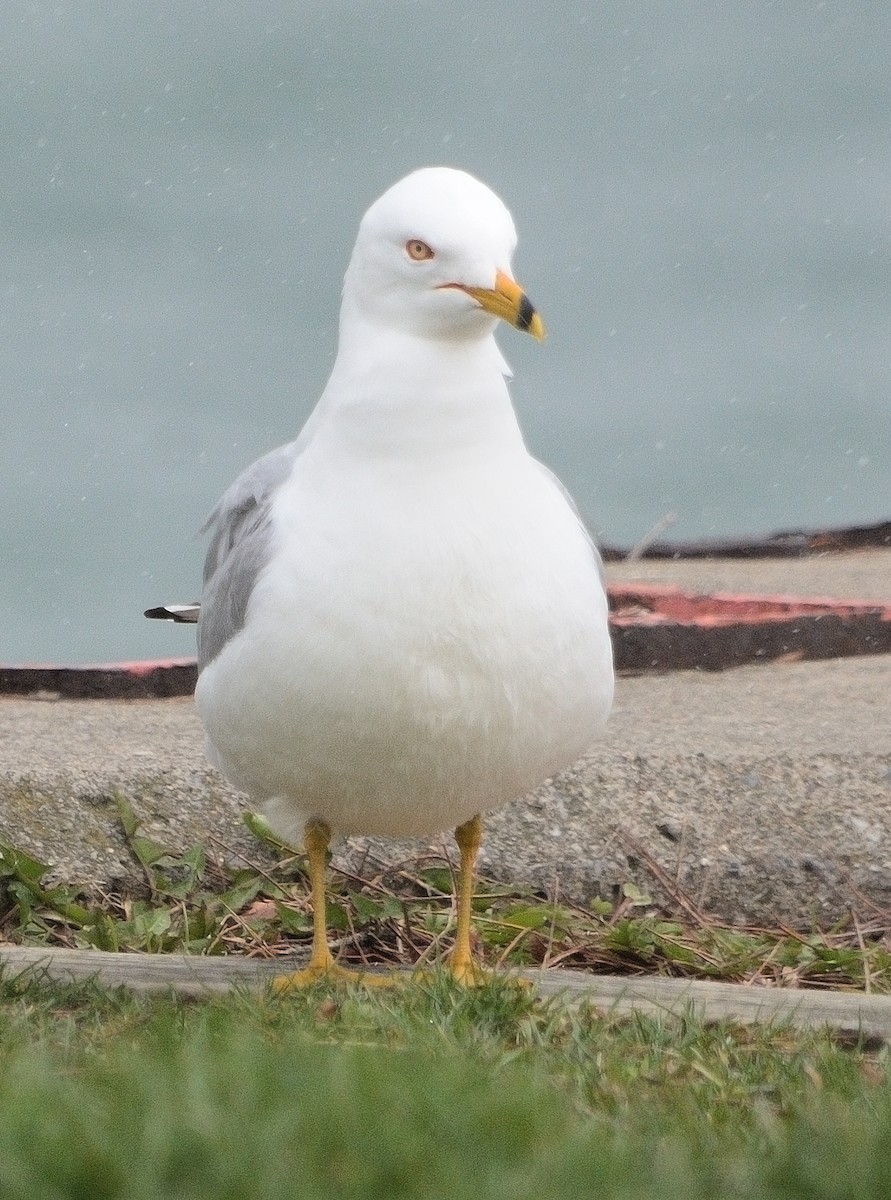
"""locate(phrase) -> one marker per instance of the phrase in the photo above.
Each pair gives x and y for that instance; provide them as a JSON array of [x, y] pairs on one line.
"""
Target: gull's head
[[433, 259]]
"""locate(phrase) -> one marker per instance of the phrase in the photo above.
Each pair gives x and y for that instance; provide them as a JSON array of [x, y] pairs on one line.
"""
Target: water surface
[[703, 193]]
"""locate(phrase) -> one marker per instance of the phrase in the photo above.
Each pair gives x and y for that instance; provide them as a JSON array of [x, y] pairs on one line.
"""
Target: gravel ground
[[760, 794]]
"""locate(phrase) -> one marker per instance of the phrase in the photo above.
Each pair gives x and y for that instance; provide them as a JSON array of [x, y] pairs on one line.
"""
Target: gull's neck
[[394, 393]]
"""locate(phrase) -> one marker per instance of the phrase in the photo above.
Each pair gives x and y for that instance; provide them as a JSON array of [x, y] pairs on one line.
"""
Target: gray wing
[[561, 487], [239, 548]]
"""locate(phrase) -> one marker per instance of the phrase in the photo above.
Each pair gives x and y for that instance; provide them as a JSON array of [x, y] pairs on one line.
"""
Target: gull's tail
[[182, 614]]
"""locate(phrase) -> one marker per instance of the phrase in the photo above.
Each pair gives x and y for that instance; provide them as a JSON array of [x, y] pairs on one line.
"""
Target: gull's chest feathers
[[421, 646], [459, 565]]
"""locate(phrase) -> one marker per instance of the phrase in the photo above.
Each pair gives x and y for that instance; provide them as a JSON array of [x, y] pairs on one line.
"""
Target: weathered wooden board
[[847, 1013]]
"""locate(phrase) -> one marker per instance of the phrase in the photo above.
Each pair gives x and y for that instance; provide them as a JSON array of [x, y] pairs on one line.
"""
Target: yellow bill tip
[[508, 301]]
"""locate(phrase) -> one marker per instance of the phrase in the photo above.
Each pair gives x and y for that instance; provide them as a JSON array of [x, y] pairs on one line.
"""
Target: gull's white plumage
[[418, 631]]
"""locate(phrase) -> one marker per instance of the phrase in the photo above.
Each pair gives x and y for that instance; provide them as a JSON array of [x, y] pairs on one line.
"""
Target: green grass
[[425, 1090], [428, 1091]]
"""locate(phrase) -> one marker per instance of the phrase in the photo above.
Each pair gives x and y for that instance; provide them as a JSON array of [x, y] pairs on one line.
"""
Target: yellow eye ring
[[418, 250]]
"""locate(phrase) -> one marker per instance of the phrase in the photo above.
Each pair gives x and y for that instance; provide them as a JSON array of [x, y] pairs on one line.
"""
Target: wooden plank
[[848, 1013], [851, 1013]]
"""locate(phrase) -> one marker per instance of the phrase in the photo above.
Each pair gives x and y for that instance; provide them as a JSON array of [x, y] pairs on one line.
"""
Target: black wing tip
[[180, 614]]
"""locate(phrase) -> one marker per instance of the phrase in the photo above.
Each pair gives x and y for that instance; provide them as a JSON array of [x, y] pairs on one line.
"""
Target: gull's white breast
[[424, 644]]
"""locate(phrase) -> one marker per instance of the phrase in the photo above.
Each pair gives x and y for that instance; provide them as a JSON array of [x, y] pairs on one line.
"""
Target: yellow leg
[[321, 964], [469, 838]]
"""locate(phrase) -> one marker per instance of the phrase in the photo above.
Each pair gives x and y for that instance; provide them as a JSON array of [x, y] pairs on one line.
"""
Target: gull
[[404, 622]]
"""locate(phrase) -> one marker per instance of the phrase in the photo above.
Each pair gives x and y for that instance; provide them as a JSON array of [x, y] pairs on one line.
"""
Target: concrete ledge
[[658, 627], [102, 681], [758, 795], [762, 794]]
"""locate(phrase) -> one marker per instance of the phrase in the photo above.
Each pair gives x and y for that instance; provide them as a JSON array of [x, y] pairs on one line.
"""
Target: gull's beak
[[508, 301]]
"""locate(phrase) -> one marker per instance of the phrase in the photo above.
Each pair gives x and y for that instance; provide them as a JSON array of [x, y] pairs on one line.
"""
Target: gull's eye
[[418, 250]]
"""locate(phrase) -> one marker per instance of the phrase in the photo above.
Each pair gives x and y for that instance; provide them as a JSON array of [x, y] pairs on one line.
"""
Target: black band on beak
[[525, 314]]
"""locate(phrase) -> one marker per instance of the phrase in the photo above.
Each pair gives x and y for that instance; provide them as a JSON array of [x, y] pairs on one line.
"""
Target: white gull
[[404, 622]]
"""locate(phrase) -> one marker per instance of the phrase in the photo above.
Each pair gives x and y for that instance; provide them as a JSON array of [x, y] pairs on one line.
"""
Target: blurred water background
[[703, 194]]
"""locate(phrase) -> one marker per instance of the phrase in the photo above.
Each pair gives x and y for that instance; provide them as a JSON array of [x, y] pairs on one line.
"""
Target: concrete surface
[[762, 794], [857, 575]]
